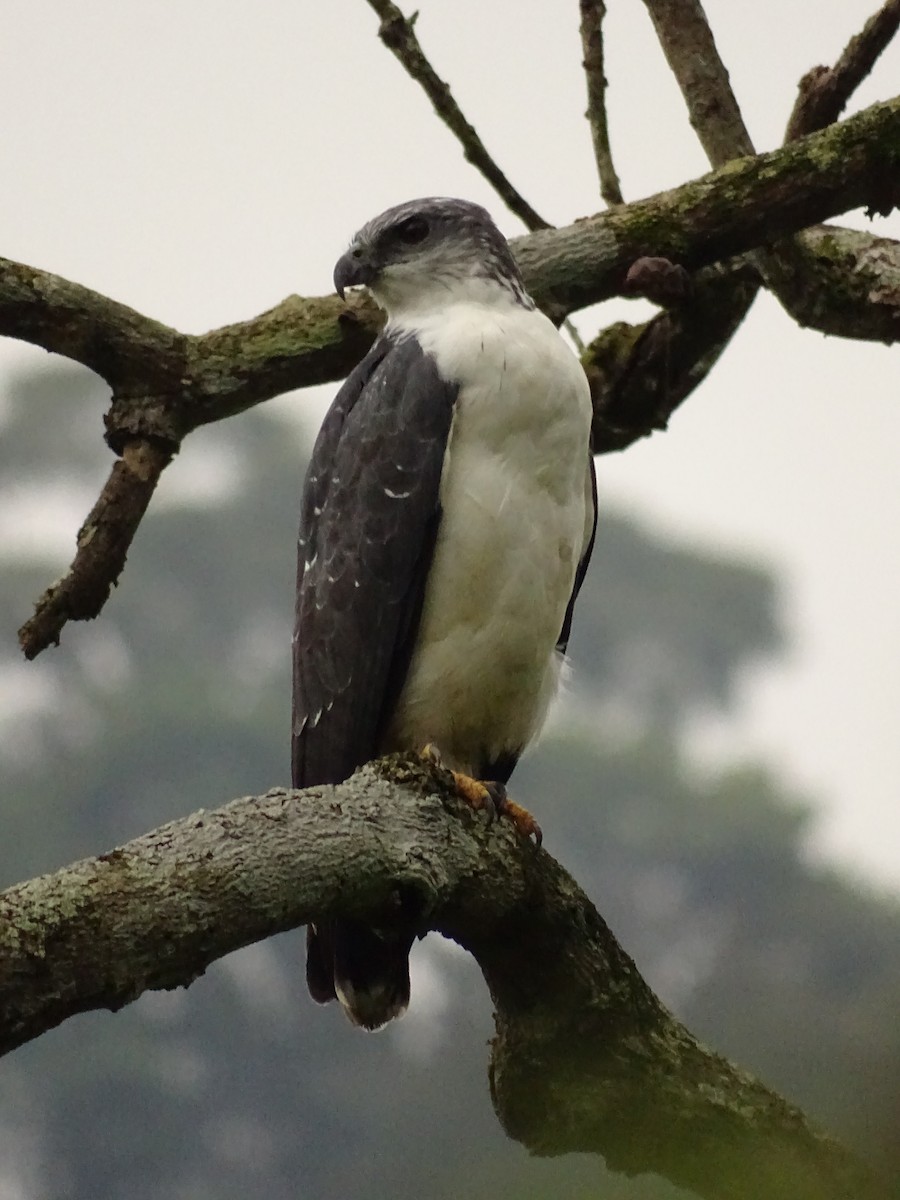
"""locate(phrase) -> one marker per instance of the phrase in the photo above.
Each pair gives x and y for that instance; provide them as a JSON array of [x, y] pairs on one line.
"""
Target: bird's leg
[[487, 794]]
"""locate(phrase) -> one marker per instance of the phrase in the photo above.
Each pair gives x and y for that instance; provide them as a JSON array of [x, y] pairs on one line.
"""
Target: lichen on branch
[[585, 1056]]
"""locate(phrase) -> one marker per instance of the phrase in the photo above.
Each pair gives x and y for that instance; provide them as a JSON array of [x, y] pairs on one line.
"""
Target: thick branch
[[399, 35], [191, 381], [301, 342], [839, 281], [313, 340], [164, 392], [823, 278], [110, 338], [585, 1057], [748, 202]]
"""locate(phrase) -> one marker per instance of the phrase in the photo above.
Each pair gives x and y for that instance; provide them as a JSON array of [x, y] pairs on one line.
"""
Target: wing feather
[[369, 519], [590, 532]]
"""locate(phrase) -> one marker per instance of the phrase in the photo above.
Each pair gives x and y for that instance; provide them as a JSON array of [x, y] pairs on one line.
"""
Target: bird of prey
[[448, 515]]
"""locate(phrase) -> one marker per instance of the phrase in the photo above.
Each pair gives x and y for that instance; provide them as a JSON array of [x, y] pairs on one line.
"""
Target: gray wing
[[590, 534], [369, 520]]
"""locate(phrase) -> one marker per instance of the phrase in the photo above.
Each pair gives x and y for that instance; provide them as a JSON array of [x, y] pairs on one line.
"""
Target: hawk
[[447, 520]]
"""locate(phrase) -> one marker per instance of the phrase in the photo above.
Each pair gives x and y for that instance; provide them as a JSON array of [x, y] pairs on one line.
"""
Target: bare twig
[[585, 1056], [592, 14], [824, 91], [398, 34], [577, 340]]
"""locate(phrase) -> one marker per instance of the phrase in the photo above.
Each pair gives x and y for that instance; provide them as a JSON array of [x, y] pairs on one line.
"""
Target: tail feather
[[367, 969], [320, 962]]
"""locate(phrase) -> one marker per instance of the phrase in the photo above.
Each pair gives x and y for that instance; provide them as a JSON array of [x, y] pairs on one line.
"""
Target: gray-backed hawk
[[447, 520]]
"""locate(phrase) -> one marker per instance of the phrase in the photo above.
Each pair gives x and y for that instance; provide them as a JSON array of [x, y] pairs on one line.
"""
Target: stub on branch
[[102, 546], [659, 280]]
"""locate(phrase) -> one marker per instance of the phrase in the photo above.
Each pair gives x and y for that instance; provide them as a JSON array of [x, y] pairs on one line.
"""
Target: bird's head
[[425, 253]]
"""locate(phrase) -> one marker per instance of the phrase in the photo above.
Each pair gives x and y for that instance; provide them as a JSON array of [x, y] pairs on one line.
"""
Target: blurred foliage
[[178, 697]]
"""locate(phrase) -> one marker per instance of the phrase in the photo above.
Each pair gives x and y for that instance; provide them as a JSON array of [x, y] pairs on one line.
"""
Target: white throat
[[413, 301]]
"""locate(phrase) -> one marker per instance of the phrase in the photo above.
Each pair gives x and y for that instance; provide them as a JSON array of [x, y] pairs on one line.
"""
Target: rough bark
[[839, 281], [585, 1056]]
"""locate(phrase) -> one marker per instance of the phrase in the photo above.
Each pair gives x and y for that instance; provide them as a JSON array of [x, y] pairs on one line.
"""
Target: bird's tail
[[366, 969]]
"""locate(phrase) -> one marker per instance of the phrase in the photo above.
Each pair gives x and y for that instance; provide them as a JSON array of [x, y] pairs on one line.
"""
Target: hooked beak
[[353, 269]]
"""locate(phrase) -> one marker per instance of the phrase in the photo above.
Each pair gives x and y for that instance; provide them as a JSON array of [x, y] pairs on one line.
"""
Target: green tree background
[[179, 697]]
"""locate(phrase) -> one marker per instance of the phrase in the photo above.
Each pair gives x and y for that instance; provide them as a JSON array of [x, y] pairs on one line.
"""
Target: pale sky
[[200, 160]]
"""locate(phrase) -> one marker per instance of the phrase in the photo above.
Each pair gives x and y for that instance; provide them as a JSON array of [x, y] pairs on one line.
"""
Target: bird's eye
[[412, 230]]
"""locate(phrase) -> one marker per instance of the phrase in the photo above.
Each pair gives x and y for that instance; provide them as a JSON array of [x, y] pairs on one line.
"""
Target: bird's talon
[[431, 755], [524, 822], [492, 797], [473, 791], [497, 797]]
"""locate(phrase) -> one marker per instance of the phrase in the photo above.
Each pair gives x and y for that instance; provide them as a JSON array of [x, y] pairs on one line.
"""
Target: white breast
[[513, 530]]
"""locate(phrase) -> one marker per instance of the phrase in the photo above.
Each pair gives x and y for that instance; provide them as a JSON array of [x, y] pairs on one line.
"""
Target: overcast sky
[[200, 160]]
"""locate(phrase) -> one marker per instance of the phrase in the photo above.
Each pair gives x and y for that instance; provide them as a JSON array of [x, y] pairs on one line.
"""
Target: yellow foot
[[479, 794]]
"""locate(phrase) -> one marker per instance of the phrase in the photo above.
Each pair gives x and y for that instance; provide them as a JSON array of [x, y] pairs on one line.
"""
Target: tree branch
[[585, 1056], [839, 281], [640, 374], [651, 369], [828, 279], [690, 49], [167, 384], [112, 339], [746, 203], [824, 91], [311, 340], [102, 547], [592, 14], [398, 34]]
